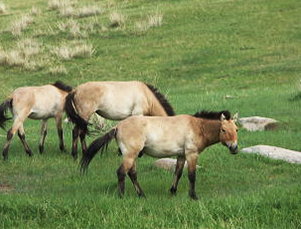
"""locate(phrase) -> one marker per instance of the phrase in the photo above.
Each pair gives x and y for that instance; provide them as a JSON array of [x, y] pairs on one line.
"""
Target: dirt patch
[[5, 187]]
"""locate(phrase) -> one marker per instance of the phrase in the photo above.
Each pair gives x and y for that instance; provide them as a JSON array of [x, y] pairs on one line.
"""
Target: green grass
[[203, 51]]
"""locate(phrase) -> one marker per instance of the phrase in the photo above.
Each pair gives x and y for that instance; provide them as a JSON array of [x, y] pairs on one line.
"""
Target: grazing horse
[[112, 100], [184, 136], [42, 102]]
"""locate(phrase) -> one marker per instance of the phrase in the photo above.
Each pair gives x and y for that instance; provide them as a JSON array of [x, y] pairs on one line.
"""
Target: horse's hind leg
[[133, 175], [43, 135], [10, 134], [21, 134], [178, 174], [82, 136], [75, 134], [58, 121], [121, 173]]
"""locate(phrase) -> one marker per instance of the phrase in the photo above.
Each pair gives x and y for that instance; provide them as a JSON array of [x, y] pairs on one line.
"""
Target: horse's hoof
[[173, 191]]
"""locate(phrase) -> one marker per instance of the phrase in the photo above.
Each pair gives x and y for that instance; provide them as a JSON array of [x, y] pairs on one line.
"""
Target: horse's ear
[[223, 117], [235, 117]]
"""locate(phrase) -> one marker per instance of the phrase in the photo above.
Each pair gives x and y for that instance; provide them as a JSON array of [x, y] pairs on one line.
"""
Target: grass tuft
[[117, 19], [86, 11], [18, 26], [67, 52], [58, 70], [3, 9]]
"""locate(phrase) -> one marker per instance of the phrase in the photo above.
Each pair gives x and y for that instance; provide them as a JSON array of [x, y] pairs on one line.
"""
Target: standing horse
[[112, 100], [183, 136], [42, 102]]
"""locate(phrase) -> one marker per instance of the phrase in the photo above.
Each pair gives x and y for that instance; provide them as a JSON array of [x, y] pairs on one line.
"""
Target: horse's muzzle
[[233, 148]]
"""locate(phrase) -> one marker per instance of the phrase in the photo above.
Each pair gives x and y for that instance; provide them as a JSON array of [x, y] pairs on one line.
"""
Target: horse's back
[[160, 136], [41, 101], [112, 100]]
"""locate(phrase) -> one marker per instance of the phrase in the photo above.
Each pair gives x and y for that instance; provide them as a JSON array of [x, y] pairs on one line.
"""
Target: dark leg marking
[[133, 175], [121, 178], [83, 142], [75, 133], [178, 175], [61, 139], [24, 143], [7, 144], [191, 177]]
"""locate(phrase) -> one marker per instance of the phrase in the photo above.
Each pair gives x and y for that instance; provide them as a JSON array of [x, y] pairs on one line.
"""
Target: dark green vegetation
[[203, 51]]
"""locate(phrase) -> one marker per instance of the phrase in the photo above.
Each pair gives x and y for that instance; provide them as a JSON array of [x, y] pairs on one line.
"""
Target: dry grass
[[117, 19], [58, 4], [67, 52], [22, 56], [155, 20], [67, 11], [19, 25], [35, 11], [86, 11], [3, 9], [72, 27], [152, 21], [58, 70]]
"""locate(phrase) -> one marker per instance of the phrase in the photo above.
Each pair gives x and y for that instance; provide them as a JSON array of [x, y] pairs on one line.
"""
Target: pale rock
[[275, 153], [256, 123]]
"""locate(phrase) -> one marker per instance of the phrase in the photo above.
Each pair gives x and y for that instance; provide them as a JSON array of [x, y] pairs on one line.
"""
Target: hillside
[[219, 54]]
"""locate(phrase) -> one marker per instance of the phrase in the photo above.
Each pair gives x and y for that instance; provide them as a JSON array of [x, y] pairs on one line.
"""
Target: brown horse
[[184, 136], [112, 100], [42, 102]]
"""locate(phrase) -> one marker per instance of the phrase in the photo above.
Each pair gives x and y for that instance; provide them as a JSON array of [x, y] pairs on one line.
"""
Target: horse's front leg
[[178, 174], [43, 135], [192, 158]]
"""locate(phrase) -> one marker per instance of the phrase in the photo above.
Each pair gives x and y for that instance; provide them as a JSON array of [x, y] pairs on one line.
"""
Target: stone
[[169, 164], [275, 153], [256, 123]]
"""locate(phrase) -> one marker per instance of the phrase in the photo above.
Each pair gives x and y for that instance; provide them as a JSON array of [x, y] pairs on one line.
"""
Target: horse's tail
[[73, 115], [98, 144], [3, 108]]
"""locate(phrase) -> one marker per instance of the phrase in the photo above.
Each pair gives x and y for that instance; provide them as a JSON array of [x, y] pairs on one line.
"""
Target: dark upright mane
[[163, 101], [60, 85], [212, 114]]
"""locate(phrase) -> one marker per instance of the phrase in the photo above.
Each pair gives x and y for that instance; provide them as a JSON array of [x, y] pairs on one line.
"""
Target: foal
[[36, 103], [184, 136], [112, 100]]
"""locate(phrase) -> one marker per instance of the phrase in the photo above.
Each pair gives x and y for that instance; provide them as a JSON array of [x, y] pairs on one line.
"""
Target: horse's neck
[[156, 109], [211, 131]]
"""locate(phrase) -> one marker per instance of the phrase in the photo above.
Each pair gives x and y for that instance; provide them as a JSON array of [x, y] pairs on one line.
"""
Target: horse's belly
[[160, 153]]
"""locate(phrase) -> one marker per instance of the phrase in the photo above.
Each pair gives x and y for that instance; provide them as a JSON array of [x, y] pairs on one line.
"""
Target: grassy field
[[219, 54]]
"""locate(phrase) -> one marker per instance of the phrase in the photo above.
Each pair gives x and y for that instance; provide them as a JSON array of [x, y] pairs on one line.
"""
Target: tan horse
[[112, 100], [184, 136], [42, 102]]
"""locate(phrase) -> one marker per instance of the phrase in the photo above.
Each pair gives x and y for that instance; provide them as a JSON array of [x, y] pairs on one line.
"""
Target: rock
[[256, 123], [169, 164], [275, 153]]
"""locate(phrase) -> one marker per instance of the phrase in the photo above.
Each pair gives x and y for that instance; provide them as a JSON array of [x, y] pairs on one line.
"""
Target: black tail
[[72, 114], [100, 143], [3, 108]]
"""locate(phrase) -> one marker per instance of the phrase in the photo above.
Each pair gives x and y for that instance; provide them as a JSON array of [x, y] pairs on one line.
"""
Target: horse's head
[[228, 133]]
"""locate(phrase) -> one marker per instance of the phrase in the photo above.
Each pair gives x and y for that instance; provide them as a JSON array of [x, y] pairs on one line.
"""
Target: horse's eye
[[223, 130], [236, 130]]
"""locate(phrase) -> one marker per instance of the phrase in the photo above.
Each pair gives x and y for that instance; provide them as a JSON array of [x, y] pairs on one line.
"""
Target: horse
[[184, 136], [41, 102], [112, 100]]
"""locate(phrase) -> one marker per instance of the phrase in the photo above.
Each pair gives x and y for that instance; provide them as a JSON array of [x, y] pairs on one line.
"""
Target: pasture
[[219, 54]]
